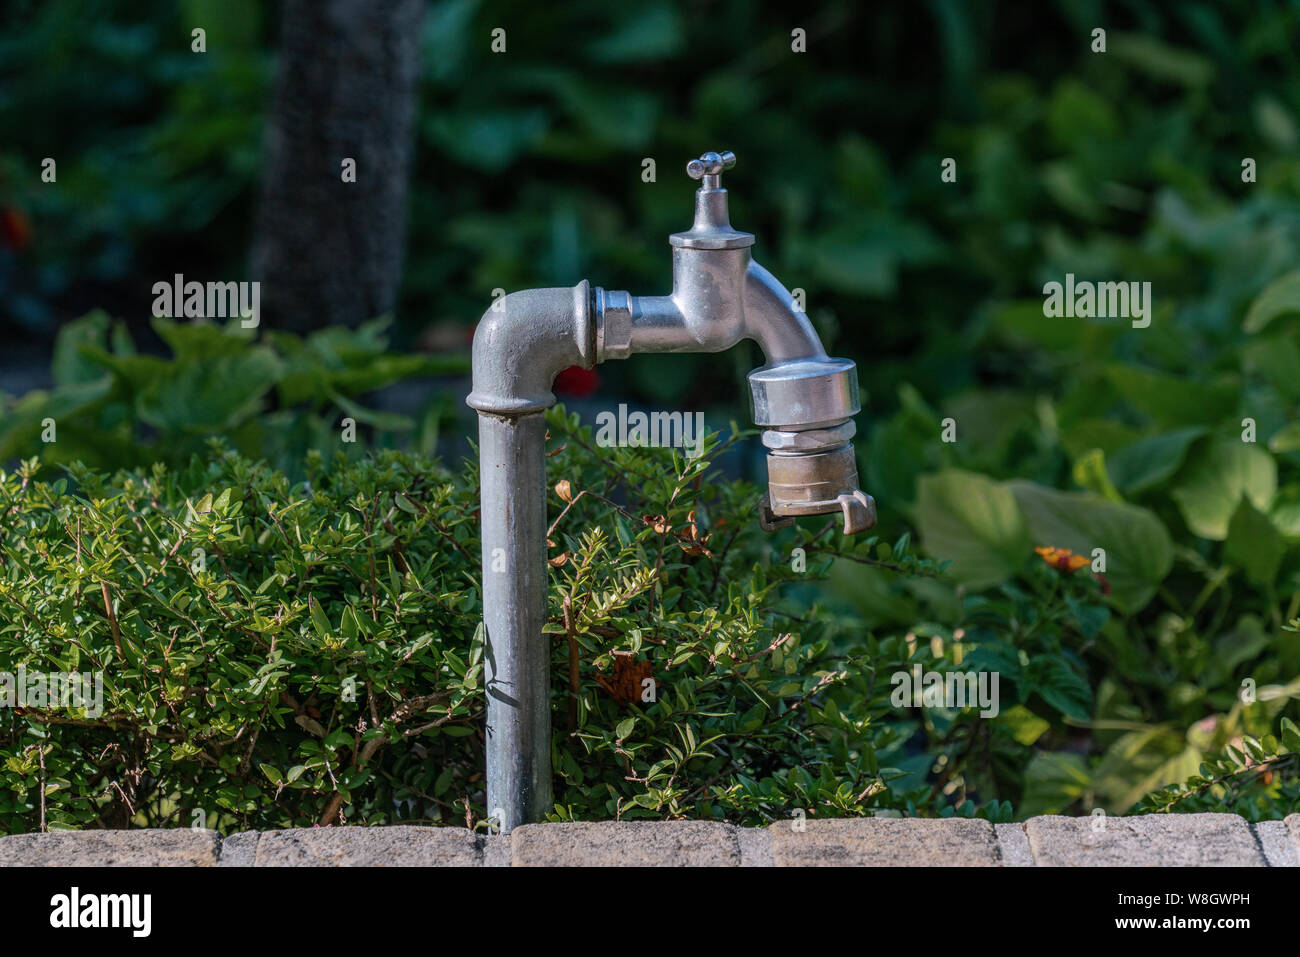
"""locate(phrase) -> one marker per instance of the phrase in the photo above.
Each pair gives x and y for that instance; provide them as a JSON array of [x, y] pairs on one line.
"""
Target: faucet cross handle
[[712, 228], [711, 164]]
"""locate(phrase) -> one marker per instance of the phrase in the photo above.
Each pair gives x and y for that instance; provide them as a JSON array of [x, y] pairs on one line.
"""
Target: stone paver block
[[399, 845], [1292, 823], [238, 849], [882, 842], [496, 850], [1013, 845], [1276, 843], [626, 843], [153, 847], [755, 847], [1152, 840]]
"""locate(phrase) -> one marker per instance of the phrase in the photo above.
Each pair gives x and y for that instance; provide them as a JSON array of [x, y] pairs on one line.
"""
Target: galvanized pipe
[[720, 296], [521, 344], [512, 457]]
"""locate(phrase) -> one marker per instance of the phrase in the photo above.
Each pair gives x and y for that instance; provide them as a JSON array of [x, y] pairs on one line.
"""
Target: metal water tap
[[804, 401]]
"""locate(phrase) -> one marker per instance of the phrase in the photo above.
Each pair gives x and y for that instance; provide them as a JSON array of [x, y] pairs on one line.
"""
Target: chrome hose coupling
[[806, 408]]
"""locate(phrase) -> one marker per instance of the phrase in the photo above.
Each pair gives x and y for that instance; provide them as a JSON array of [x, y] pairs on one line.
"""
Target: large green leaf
[[1277, 359], [1285, 439], [198, 397], [1254, 544], [650, 31], [974, 522], [1148, 462], [1216, 477], [1061, 686], [1022, 724], [1147, 54], [69, 365], [21, 425], [1280, 297], [1172, 400], [1054, 780], [1138, 550], [202, 341], [1285, 513]]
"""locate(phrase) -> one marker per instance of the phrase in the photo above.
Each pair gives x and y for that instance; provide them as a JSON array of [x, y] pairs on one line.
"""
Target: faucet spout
[[775, 321]]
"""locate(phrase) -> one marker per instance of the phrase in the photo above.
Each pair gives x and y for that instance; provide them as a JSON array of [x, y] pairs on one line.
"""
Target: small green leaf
[[1023, 725], [348, 623], [320, 621], [1290, 735]]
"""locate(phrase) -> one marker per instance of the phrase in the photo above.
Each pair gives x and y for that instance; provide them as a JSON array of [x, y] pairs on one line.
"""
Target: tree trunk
[[328, 251]]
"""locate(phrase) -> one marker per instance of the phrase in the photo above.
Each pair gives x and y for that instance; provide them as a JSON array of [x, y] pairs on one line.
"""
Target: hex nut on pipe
[[809, 440], [613, 324]]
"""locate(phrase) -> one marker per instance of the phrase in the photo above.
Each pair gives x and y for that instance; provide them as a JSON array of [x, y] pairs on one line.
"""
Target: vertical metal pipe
[[512, 471]]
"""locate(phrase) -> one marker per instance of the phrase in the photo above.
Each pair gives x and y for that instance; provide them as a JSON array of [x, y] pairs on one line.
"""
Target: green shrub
[[1240, 779], [280, 655]]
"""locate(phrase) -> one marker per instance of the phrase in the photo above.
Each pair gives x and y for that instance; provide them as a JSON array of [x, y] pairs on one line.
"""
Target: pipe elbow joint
[[523, 341], [775, 321]]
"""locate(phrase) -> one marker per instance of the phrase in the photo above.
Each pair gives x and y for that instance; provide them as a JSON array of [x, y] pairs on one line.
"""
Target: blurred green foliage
[[1168, 459], [157, 148], [529, 163], [275, 399]]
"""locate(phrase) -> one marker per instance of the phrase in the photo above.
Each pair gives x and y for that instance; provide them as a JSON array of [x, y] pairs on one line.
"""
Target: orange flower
[[1062, 559]]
